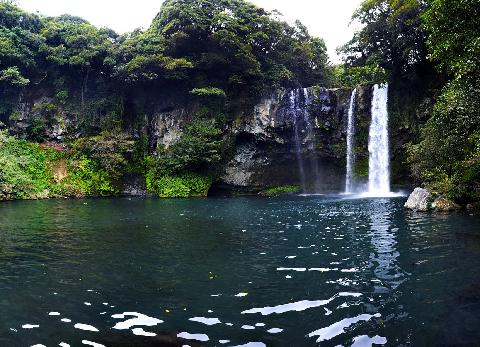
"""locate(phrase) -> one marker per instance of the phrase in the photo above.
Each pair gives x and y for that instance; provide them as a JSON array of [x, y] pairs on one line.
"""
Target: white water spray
[[349, 184], [378, 147]]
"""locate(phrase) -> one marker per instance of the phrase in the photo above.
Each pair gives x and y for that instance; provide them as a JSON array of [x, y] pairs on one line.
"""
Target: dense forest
[[221, 57]]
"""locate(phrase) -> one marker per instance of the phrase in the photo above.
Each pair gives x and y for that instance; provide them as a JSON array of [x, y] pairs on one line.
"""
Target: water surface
[[291, 271]]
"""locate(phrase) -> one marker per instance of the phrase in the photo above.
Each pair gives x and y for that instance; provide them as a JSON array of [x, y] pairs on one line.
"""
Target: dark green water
[[312, 270]]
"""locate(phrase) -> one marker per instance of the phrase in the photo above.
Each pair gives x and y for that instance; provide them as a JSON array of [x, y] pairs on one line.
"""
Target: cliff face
[[292, 137], [306, 125]]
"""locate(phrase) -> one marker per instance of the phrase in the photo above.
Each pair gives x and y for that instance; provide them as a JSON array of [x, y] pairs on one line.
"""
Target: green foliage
[[181, 186], [275, 191], [27, 171], [361, 168], [110, 149], [447, 158], [229, 51], [23, 168], [392, 37], [185, 169], [353, 76], [454, 35], [142, 57], [73, 42], [86, 177], [37, 126], [44, 115], [237, 47], [199, 148], [209, 92], [12, 76]]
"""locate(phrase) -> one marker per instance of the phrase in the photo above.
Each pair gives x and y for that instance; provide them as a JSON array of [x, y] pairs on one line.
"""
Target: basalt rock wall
[[266, 143]]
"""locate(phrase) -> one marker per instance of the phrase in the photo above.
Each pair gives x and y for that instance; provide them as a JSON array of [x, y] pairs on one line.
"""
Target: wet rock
[[241, 168], [418, 200], [134, 185], [445, 205], [167, 127], [6, 192]]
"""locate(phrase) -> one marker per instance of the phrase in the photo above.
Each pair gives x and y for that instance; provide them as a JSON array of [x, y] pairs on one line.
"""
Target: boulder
[[445, 205], [418, 200]]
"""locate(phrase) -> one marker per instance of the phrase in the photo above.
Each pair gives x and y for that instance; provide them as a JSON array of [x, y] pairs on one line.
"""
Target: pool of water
[[290, 271]]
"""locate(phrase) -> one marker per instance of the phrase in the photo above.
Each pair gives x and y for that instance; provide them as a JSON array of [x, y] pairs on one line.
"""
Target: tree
[[79, 48], [454, 35], [238, 47], [392, 37], [447, 157]]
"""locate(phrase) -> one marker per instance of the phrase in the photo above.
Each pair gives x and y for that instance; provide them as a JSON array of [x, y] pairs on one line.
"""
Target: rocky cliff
[[291, 137]]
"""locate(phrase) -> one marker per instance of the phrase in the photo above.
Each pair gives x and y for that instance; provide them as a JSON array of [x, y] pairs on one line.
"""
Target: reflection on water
[[294, 271], [383, 239]]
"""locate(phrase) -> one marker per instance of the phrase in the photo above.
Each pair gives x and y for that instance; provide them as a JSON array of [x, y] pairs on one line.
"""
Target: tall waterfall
[[349, 184], [379, 161], [299, 100]]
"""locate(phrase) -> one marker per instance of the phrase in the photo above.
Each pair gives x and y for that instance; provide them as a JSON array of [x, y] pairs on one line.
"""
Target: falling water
[[349, 184], [379, 162], [311, 136], [297, 139], [299, 100]]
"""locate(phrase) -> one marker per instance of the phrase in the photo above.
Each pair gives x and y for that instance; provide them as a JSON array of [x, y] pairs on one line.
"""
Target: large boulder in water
[[418, 200]]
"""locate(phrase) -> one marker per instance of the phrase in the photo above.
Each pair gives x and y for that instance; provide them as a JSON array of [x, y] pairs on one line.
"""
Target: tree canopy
[[229, 45], [392, 37]]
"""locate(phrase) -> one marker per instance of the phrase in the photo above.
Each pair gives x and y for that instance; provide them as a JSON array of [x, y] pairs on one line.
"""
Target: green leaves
[[23, 168], [448, 156], [181, 186], [13, 77], [209, 92], [392, 37], [454, 35], [76, 43], [186, 168], [199, 148], [354, 76]]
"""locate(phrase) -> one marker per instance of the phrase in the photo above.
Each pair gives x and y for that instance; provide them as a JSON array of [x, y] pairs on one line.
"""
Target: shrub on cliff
[[180, 186], [187, 168], [24, 169], [110, 149], [198, 150]]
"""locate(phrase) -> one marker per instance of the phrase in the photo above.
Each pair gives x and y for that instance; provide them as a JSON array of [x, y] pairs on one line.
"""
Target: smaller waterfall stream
[[299, 100], [349, 184], [378, 146], [293, 96]]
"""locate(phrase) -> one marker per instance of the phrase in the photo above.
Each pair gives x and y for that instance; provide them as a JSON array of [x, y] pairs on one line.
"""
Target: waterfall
[[297, 139], [349, 184], [378, 148], [298, 102], [308, 97]]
